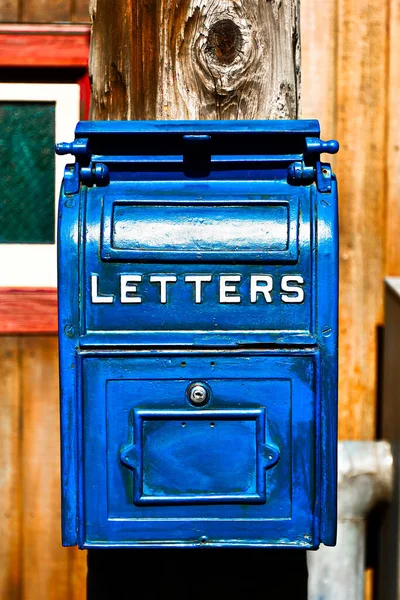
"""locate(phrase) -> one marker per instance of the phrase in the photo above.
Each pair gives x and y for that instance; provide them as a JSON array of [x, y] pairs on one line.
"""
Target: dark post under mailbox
[[198, 277]]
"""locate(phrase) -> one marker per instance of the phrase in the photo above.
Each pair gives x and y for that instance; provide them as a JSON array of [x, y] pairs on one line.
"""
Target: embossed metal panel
[[198, 335], [198, 230]]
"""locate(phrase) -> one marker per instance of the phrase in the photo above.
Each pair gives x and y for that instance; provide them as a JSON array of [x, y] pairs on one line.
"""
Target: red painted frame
[[34, 310], [28, 310]]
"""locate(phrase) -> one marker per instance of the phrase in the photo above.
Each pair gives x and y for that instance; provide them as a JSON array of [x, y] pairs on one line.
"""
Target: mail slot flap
[[169, 450], [214, 230]]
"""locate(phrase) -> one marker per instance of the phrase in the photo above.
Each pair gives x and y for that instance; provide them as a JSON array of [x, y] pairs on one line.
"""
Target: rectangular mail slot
[[198, 335], [255, 230]]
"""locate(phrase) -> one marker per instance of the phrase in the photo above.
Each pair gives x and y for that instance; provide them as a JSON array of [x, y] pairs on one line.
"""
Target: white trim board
[[35, 265]]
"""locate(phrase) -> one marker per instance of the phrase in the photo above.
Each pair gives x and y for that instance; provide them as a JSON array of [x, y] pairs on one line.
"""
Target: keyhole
[[198, 394]]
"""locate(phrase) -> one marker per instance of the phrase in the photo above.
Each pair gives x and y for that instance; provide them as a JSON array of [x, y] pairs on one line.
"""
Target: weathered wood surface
[[79, 11], [10, 472], [393, 140], [345, 78], [44, 11], [9, 11], [361, 168], [33, 564], [209, 59], [318, 28], [43, 563]]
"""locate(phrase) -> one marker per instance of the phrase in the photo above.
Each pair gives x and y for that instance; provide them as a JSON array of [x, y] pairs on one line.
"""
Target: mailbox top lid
[[115, 151], [281, 127]]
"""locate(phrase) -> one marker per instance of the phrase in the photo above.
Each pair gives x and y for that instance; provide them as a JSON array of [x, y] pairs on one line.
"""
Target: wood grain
[[77, 571], [28, 310], [45, 11], [211, 59], [45, 563], [10, 472], [80, 11], [318, 64], [110, 56], [393, 143], [33, 563], [361, 105], [9, 11]]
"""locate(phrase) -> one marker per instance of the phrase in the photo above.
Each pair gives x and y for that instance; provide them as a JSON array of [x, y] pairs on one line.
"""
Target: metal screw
[[326, 330], [70, 203], [69, 330]]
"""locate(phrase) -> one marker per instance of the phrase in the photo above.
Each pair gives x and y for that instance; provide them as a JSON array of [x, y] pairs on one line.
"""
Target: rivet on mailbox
[[198, 278]]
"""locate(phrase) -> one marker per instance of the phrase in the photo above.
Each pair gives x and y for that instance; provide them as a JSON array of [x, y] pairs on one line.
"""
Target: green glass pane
[[27, 166]]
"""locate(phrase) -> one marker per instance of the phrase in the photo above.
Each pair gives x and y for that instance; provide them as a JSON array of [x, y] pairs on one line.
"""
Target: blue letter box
[[198, 286]]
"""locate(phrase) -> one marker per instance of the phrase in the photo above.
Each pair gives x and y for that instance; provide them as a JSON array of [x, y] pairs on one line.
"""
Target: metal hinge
[[86, 170], [309, 170]]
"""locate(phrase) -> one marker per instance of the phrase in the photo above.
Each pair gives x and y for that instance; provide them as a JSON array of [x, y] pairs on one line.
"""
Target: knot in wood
[[224, 42]]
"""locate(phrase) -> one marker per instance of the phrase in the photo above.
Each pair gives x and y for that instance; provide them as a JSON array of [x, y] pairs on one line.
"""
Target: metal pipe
[[365, 476]]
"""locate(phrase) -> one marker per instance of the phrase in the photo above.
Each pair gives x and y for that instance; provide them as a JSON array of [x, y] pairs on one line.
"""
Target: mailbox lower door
[[239, 469]]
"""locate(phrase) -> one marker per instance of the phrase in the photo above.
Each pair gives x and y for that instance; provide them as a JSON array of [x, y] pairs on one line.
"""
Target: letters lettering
[[163, 280], [295, 293], [227, 293], [94, 290], [256, 288], [198, 280], [128, 286], [231, 289]]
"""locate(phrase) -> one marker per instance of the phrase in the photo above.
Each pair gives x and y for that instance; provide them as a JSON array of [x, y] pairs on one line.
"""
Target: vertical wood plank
[[46, 11], [44, 560], [80, 11], [10, 472], [9, 11], [393, 143], [77, 569], [361, 124], [110, 55], [318, 63], [369, 584]]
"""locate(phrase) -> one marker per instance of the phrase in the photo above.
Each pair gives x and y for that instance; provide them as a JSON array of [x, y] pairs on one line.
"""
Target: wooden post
[[209, 59]]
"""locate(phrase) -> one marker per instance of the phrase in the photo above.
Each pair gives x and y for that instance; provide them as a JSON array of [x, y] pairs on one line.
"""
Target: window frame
[[35, 265], [34, 49]]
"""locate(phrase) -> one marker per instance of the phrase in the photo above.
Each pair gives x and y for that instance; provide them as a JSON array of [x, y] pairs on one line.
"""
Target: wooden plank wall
[[351, 82], [33, 564], [44, 11]]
